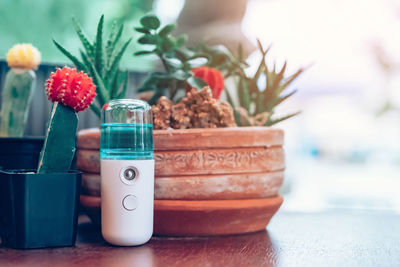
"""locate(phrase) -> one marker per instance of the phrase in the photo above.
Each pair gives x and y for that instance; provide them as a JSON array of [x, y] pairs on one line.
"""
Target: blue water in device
[[125, 141]]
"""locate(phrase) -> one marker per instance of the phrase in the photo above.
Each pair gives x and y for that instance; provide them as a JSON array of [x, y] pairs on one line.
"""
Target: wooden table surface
[[330, 238]]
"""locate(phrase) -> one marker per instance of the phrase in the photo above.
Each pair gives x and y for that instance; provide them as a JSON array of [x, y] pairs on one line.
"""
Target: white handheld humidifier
[[127, 172]]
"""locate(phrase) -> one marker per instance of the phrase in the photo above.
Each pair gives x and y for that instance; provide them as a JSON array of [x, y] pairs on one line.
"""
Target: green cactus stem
[[59, 144], [16, 99]]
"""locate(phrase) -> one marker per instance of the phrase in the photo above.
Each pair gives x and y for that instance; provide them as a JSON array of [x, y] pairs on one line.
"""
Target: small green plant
[[257, 104], [100, 59], [18, 89], [177, 60], [221, 58]]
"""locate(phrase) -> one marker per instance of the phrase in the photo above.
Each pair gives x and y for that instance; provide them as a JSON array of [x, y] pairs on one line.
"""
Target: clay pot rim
[[199, 138], [212, 205], [218, 130]]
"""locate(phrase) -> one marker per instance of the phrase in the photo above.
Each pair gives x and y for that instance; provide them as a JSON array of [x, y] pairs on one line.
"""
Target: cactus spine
[[16, 99], [59, 144]]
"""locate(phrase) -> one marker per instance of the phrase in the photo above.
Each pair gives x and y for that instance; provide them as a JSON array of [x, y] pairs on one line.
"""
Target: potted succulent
[[39, 208], [212, 177], [18, 151], [100, 60]]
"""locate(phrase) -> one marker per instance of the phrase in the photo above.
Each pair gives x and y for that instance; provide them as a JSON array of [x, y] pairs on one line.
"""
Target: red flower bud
[[212, 77], [72, 88]]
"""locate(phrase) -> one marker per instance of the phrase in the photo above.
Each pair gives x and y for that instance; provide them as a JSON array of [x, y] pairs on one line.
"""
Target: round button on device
[[129, 175], [130, 202]]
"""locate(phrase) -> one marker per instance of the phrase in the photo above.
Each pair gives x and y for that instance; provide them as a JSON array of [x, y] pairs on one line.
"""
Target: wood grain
[[330, 238]]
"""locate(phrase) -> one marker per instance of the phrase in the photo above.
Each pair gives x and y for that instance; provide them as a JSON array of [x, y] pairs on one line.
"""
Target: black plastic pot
[[38, 210], [20, 153]]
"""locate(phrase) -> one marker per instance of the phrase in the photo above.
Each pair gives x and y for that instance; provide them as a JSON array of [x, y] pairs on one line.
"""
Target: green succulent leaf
[[95, 109], [244, 96], [142, 30], [115, 85], [103, 93], [74, 60], [167, 29], [143, 52], [184, 53], [172, 61], [241, 119], [196, 82], [157, 94], [114, 63], [125, 82], [197, 61], [180, 75], [99, 63], [181, 40], [167, 44], [229, 98], [112, 42], [100, 60], [148, 39], [150, 22], [82, 36], [86, 63], [277, 120]]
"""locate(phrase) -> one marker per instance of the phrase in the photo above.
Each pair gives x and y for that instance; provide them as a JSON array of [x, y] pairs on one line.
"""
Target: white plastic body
[[120, 226]]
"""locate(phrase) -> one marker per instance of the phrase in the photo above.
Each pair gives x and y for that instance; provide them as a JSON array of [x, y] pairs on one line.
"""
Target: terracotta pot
[[207, 181], [195, 164], [203, 218]]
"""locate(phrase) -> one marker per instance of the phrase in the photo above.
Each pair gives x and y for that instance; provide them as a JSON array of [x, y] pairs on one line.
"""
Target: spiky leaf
[[277, 120], [99, 63], [115, 61], [244, 96], [113, 40], [82, 36], [125, 83], [95, 109], [103, 93], [79, 65]]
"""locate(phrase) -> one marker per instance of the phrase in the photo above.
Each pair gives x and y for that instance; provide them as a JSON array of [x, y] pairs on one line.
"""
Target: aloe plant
[[100, 59], [257, 104]]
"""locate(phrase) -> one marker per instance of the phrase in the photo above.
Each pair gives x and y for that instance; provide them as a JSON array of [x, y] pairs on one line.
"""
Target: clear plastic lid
[[126, 130]]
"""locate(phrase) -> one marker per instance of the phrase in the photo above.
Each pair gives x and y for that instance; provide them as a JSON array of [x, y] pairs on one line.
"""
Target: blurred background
[[342, 150]]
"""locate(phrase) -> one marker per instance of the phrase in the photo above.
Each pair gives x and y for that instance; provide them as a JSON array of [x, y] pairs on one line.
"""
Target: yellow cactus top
[[24, 56]]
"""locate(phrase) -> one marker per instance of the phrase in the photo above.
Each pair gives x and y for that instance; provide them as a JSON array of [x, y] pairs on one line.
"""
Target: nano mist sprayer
[[127, 172]]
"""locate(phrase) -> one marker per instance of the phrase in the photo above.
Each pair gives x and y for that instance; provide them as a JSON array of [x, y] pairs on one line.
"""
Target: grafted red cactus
[[71, 88], [71, 91], [212, 77]]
